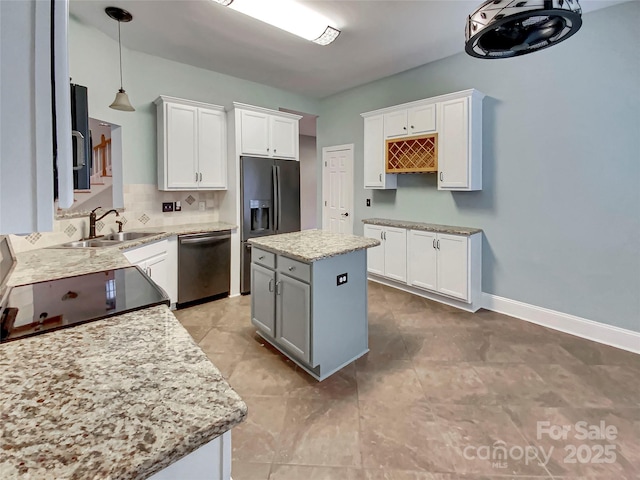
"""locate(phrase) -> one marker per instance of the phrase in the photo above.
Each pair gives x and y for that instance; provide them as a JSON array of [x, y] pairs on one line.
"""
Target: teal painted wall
[[93, 62], [560, 206]]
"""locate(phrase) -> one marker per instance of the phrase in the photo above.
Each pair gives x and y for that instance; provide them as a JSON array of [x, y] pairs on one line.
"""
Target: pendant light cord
[[120, 50]]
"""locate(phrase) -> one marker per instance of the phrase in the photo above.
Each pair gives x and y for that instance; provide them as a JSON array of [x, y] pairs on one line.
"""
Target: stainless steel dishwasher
[[204, 265]]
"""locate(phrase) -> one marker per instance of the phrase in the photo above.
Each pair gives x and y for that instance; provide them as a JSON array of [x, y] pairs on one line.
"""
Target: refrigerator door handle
[[276, 198], [279, 197]]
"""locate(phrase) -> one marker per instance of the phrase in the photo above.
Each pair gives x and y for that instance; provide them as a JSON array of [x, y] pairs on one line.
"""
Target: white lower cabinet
[[303, 311], [440, 266], [388, 259], [439, 262], [159, 260]]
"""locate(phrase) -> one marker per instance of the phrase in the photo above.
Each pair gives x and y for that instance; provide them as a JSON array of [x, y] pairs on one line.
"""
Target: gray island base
[[309, 297]]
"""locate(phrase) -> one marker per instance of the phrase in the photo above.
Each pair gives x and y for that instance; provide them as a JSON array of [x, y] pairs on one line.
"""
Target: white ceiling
[[379, 38]]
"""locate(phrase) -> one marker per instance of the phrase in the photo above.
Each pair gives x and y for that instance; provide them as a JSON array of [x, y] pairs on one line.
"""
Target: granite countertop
[[51, 263], [122, 397], [429, 227], [312, 245], [170, 230]]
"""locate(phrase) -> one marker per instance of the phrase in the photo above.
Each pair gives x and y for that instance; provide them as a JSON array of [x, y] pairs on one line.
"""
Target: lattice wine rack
[[412, 154]]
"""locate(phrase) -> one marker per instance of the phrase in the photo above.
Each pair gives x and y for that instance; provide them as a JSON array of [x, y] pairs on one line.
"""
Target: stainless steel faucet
[[93, 220]]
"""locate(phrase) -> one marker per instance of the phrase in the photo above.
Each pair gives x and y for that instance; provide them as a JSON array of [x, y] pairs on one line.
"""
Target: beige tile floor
[[439, 390]]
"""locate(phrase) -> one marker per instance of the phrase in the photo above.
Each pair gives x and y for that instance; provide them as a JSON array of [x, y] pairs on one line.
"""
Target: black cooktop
[[66, 302]]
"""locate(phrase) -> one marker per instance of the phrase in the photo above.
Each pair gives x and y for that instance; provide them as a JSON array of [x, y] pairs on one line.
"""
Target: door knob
[[346, 214]]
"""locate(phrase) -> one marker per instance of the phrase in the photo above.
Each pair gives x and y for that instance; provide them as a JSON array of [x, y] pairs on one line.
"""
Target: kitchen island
[[127, 397], [309, 297]]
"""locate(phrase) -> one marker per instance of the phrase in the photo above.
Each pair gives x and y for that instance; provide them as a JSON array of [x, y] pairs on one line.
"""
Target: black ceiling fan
[[509, 28]]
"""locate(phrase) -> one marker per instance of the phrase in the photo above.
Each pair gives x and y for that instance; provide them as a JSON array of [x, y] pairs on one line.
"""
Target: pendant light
[[121, 101], [509, 28]]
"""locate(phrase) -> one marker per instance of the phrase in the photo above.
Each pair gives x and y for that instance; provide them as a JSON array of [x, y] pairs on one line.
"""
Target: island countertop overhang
[[312, 245]]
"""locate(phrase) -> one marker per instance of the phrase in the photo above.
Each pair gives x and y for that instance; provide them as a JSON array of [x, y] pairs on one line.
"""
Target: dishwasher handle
[[190, 240]]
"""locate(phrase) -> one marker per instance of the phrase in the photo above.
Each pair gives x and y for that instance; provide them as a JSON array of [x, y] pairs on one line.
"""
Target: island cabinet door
[[293, 316], [263, 306]]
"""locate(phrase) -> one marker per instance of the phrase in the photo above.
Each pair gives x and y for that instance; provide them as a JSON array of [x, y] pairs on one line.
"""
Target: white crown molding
[[571, 324], [472, 92]]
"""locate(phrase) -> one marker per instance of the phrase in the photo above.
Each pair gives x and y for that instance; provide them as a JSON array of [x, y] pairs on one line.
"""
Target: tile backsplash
[[142, 208]]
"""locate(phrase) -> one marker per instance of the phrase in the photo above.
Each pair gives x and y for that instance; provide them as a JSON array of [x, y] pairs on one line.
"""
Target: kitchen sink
[[107, 240], [124, 236]]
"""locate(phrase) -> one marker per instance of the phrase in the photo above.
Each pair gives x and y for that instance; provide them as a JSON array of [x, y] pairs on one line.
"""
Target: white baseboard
[[578, 326], [469, 307]]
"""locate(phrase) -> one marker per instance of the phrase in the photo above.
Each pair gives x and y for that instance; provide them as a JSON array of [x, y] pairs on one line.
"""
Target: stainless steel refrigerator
[[270, 192]]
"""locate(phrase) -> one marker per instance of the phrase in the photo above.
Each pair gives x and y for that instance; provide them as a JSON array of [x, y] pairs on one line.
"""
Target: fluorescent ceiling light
[[288, 15]]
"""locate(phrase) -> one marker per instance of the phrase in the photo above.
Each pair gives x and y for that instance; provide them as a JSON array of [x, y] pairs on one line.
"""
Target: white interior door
[[337, 189]]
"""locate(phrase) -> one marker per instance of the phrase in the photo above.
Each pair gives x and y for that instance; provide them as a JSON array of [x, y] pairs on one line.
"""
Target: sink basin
[[124, 236], [107, 240], [96, 242]]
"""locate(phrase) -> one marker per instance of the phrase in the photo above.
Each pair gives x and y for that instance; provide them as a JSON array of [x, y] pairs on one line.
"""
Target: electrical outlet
[[341, 279], [202, 206], [177, 207], [368, 202], [167, 206]]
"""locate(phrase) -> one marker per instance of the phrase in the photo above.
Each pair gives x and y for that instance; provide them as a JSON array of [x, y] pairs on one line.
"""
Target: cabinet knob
[[200, 176], [267, 149], [380, 177], [346, 214], [261, 257], [404, 128], [438, 245], [271, 284], [412, 126], [434, 243], [442, 176], [291, 269], [274, 150]]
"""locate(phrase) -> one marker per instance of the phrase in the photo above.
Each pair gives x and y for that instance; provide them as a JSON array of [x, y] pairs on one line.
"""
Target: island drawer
[[262, 257], [294, 268]]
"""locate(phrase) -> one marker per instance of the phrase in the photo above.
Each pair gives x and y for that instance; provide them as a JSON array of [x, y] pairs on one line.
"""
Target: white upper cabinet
[[456, 118], [254, 133], [421, 119], [192, 145], [268, 133], [182, 149], [212, 152], [410, 121], [460, 143], [284, 137], [395, 124], [375, 175]]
